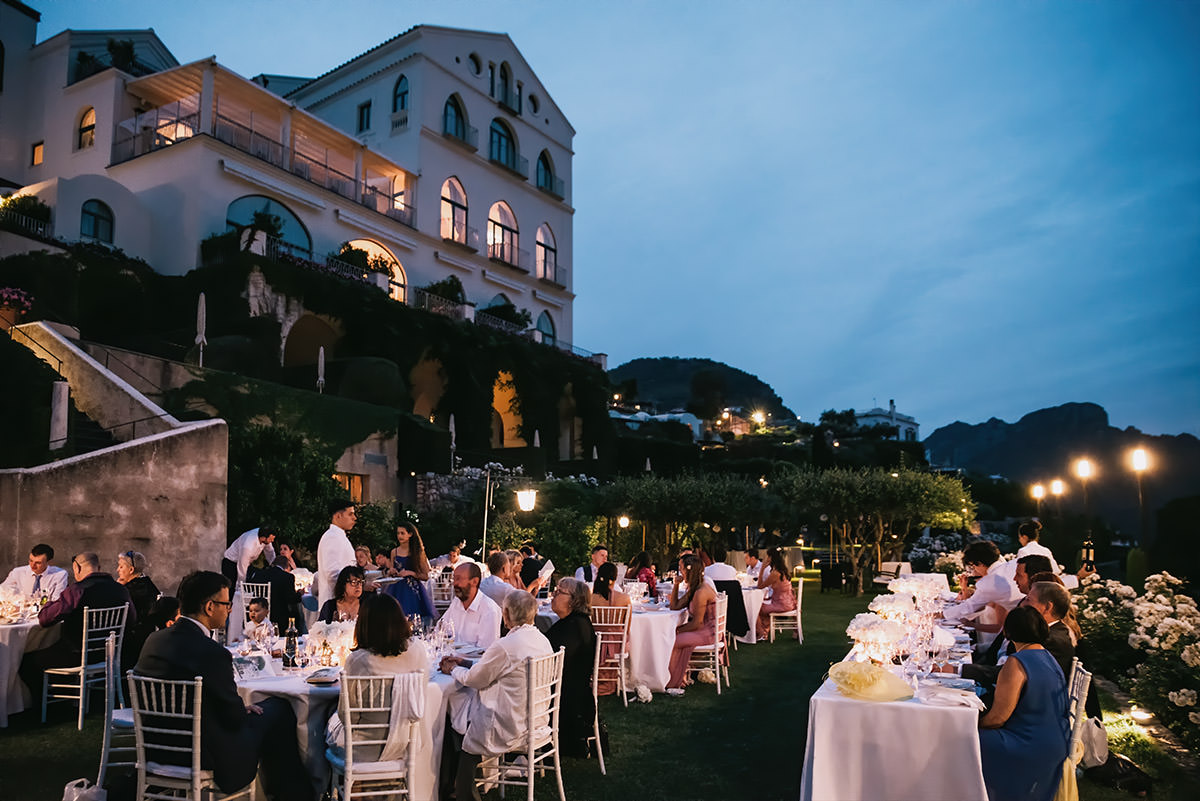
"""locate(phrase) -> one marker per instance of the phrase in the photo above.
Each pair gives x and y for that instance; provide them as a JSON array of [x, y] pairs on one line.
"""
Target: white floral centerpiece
[[874, 637], [893, 607], [334, 639]]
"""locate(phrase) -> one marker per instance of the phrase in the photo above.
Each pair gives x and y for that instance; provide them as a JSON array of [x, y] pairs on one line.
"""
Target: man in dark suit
[[1052, 602], [285, 598], [234, 737], [92, 589], [532, 564]]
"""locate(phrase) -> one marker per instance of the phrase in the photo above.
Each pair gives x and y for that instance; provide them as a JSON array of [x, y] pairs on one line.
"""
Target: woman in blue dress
[[411, 566], [1023, 738]]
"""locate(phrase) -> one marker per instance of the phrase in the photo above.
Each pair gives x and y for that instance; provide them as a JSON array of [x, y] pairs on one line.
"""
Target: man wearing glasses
[[92, 589], [39, 577], [234, 738]]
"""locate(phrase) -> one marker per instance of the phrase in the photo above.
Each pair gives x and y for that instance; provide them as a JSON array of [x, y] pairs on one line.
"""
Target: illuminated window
[[352, 483], [454, 211], [502, 234], [37, 154], [547, 254], [96, 222], [87, 130]]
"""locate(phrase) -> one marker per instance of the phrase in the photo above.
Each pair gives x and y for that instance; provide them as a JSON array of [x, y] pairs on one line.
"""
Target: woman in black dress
[[131, 571], [571, 601]]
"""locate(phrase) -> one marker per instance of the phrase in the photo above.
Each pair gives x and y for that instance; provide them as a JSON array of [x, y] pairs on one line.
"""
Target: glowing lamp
[[526, 499], [623, 521]]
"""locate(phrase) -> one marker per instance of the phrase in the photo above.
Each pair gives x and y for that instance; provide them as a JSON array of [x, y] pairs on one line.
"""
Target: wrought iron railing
[[498, 324], [459, 232], [24, 224], [421, 299], [248, 140]]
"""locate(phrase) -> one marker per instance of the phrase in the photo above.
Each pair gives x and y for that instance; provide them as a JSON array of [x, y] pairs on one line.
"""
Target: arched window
[[96, 222], [546, 326], [500, 299], [547, 254], [545, 172], [400, 95], [381, 259], [454, 122], [502, 234], [86, 136], [241, 214], [505, 83], [502, 147], [454, 211]]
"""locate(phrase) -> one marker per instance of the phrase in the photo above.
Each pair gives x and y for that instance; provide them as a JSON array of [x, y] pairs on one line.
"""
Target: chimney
[[892, 409]]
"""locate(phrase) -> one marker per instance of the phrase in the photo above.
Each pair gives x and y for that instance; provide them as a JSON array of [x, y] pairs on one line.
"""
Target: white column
[[358, 173], [206, 99]]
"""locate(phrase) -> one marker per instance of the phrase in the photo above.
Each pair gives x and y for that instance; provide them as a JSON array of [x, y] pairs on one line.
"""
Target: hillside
[[673, 382], [1042, 446]]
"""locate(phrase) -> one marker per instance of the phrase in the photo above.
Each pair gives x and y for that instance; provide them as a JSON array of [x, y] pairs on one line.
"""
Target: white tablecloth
[[314, 704], [651, 638], [898, 751], [752, 597], [15, 640], [939, 578]]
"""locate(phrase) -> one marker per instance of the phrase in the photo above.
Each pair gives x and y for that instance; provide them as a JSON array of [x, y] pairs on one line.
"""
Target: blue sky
[[976, 208]]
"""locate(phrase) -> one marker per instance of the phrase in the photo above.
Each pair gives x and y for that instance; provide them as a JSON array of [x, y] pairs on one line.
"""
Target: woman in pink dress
[[701, 628], [782, 597]]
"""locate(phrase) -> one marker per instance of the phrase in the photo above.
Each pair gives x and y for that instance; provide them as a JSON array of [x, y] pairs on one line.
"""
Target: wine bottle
[[1088, 554], [291, 644]]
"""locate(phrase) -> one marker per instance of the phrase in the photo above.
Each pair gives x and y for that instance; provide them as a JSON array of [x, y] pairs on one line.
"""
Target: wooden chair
[[715, 656], [166, 721], [365, 709], [73, 683], [118, 747], [611, 624], [788, 621], [543, 693]]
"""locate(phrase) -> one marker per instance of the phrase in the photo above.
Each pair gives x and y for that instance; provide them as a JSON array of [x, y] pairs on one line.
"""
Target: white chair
[[788, 621], [166, 720], [73, 683], [1077, 691], [716, 656], [365, 709], [117, 745], [596, 701], [611, 624], [443, 591], [543, 693], [250, 591]]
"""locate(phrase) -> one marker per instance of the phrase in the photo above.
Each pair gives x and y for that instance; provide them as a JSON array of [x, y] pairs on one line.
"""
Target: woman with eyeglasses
[[347, 592], [131, 571], [571, 601]]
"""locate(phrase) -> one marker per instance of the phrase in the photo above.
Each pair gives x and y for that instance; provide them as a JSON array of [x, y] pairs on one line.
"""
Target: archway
[[304, 339], [428, 382], [505, 404], [570, 427]]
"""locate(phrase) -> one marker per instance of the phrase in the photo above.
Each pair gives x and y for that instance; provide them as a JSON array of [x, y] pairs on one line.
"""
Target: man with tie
[[38, 577]]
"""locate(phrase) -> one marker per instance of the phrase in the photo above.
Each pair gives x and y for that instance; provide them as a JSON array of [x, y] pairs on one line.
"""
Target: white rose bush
[[1148, 643]]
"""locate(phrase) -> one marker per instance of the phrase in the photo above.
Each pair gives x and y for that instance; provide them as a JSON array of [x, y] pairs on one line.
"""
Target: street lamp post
[[1140, 460], [1083, 469], [1038, 492], [1057, 488]]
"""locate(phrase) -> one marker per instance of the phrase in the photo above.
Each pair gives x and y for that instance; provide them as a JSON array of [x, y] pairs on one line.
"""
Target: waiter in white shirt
[[39, 577], [334, 551], [244, 550], [982, 559], [475, 616], [1028, 535]]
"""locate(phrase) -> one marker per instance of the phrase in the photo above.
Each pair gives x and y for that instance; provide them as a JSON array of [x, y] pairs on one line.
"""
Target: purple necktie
[[37, 583]]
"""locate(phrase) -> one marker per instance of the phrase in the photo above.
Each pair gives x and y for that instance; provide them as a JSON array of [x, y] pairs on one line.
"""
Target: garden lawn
[[746, 744]]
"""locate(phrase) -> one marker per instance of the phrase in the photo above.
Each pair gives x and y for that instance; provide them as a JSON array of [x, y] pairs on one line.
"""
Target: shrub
[[28, 206]]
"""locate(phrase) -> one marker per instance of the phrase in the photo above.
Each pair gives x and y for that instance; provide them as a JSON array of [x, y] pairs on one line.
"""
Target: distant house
[[907, 428]]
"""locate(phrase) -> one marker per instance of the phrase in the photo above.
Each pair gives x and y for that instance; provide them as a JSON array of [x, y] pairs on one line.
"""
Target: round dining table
[[16, 639]]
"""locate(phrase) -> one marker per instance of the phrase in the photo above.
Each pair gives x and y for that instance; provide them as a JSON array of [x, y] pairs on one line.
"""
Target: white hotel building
[[438, 149]]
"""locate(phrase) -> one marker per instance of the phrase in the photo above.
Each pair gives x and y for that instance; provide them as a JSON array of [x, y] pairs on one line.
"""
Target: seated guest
[[451, 559], [603, 591], [285, 598], [719, 570], [244, 550], [764, 571], [753, 566], [571, 601], [257, 622], [92, 589], [1027, 566], [1023, 737], [701, 602], [234, 738], [531, 564], [287, 553], [164, 612], [347, 591], [362, 558], [1071, 620], [39, 577], [475, 616], [783, 598], [641, 569], [496, 585], [982, 558], [494, 721], [1051, 602], [588, 572], [131, 572]]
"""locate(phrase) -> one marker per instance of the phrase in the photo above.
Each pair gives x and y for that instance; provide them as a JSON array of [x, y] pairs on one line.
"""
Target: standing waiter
[[244, 550]]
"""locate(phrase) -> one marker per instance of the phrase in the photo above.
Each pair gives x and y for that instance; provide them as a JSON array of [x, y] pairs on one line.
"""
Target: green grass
[[746, 744]]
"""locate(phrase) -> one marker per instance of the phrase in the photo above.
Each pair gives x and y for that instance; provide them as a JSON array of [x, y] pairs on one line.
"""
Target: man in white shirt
[[244, 550], [494, 720], [753, 565], [495, 585], [587, 573], [719, 570], [334, 551], [475, 616], [38, 577], [982, 558]]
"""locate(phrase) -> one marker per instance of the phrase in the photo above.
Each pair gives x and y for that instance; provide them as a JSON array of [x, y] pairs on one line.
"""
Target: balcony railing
[[509, 99], [552, 185], [427, 301], [322, 174], [514, 163], [506, 252], [248, 140], [399, 120], [494, 322], [553, 273], [287, 253], [383, 203], [27, 225], [161, 133], [469, 138], [459, 233]]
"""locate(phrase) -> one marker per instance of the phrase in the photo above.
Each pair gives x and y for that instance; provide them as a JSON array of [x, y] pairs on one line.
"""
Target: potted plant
[[14, 304]]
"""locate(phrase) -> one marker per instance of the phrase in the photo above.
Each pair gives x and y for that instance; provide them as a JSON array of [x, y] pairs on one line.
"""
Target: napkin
[[868, 682], [935, 695]]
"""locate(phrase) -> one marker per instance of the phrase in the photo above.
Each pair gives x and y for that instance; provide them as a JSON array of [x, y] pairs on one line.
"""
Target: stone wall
[[163, 495]]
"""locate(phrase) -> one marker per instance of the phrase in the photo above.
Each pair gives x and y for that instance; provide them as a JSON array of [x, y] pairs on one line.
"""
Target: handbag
[[1095, 743], [83, 790]]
